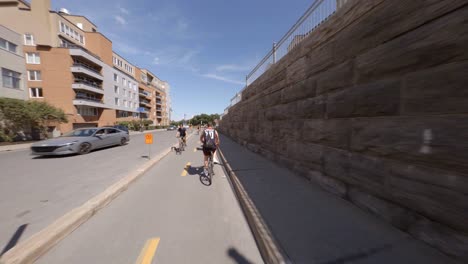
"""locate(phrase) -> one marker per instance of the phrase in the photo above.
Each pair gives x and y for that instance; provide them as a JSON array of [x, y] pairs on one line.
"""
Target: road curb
[[38, 244], [268, 246]]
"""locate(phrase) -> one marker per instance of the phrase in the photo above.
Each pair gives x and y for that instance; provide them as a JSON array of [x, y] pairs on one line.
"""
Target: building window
[[87, 111], [116, 78], [124, 81], [124, 92], [33, 58], [71, 33], [4, 44], [28, 39], [116, 101], [11, 79], [125, 103], [35, 92], [129, 94], [116, 89], [34, 76]]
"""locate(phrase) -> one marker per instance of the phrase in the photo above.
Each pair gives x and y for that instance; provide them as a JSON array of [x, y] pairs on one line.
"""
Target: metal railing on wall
[[316, 14]]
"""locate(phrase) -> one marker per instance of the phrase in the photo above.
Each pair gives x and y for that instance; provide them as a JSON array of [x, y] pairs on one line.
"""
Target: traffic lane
[[195, 223], [35, 191]]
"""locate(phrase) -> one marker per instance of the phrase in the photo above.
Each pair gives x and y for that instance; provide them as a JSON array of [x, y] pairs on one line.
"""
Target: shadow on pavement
[[198, 171], [314, 226], [237, 257], [14, 239]]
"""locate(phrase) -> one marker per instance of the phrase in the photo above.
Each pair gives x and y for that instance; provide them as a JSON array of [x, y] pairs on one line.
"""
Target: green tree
[[17, 115], [204, 118]]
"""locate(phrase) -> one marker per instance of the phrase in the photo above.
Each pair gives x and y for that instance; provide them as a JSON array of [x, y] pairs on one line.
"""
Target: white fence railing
[[317, 13]]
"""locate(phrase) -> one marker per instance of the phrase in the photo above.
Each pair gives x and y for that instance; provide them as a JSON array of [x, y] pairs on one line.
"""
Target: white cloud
[[221, 78], [156, 61], [127, 49], [233, 68], [120, 20], [123, 10]]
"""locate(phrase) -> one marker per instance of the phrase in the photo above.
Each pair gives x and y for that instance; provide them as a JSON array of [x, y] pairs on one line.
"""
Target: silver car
[[81, 141]]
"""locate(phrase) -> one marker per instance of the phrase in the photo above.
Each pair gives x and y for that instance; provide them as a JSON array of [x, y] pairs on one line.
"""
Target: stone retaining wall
[[373, 106]]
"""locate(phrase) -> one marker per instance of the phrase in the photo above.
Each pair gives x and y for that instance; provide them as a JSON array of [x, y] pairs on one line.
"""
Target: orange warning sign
[[149, 138]]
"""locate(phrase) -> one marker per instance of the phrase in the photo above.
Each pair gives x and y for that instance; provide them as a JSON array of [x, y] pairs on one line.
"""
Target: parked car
[[81, 141], [171, 128], [121, 127]]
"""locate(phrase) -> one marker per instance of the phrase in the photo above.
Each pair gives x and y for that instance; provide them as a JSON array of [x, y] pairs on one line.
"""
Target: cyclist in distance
[[182, 133], [210, 140]]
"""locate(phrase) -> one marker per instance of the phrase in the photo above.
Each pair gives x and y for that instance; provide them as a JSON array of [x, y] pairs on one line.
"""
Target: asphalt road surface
[[35, 191], [171, 215]]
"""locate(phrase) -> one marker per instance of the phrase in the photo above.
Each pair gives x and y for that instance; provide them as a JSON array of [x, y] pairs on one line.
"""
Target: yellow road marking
[[184, 172], [148, 251]]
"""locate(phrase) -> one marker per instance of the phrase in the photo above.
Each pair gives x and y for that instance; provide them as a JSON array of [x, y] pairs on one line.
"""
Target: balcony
[[146, 103], [158, 102], [88, 101], [158, 97], [85, 69], [144, 94], [87, 86], [79, 51]]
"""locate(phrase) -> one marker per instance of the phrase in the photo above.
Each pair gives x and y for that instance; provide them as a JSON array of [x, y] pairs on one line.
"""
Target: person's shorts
[[207, 151]]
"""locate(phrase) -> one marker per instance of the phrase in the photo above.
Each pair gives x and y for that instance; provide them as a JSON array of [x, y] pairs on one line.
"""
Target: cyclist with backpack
[[210, 140]]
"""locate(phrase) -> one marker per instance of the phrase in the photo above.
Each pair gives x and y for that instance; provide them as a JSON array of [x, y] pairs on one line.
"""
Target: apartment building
[[125, 89], [73, 66], [153, 97], [12, 67]]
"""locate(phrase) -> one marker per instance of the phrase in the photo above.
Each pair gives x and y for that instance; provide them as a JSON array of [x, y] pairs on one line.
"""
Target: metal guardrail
[[77, 64], [316, 14], [89, 83]]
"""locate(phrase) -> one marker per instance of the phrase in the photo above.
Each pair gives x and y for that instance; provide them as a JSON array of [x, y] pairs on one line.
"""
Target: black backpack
[[210, 139]]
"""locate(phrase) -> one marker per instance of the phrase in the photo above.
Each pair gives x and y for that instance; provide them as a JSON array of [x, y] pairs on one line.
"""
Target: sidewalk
[[314, 226]]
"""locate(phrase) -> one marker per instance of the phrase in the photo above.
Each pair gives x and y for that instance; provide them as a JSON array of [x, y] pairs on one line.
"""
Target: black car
[[121, 127]]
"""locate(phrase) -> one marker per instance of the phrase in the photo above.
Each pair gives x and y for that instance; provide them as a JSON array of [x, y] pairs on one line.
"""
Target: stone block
[[390, 212], [281, 112], [329, 184], [297, 71], [340, 76], [447, 240], [336, 163], [438, 42], [439, 90], [307, 153], [311, 108], [438, 203], [316, 61], [300, 90], [330, 132], [438, 142], [429, 175], [388, 20], [271, 99], [376, 99], [369, 173]]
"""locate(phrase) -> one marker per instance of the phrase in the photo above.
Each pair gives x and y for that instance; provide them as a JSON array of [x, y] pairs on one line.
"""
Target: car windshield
[[80, 133]]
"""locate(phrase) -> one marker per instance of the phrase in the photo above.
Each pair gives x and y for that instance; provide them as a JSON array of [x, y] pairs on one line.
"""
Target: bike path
[[171, 214]]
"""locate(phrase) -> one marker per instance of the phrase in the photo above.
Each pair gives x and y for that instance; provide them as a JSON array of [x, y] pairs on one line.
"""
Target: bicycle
[[210, 166], [181, 144]]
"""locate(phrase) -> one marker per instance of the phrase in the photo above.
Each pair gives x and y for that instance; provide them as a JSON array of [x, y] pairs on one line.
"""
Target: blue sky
[[203, 48]]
